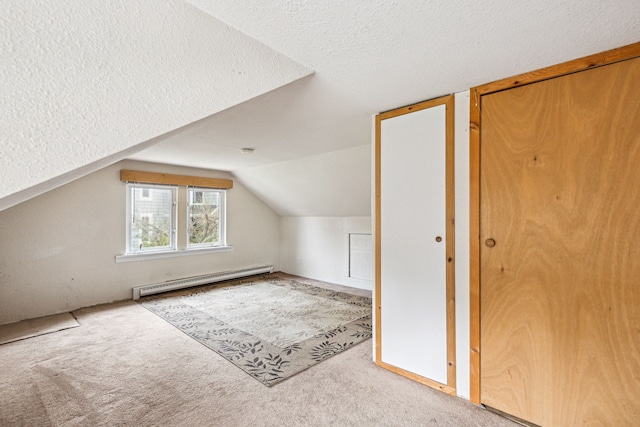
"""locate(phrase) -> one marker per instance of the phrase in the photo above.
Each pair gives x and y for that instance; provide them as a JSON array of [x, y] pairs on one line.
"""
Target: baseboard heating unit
[[172, 285]]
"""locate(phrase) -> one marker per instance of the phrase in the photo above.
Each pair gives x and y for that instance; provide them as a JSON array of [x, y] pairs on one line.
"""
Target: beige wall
[[57, 250]]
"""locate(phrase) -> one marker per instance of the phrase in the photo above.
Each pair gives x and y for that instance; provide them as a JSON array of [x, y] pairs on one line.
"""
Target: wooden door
[[560, 249]]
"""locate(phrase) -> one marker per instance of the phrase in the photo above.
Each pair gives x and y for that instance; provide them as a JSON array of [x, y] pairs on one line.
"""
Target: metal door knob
[[438, 239], [489, 243]]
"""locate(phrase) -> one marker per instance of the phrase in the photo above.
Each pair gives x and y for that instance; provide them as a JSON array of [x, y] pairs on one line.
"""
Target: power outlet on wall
[[300, 260]]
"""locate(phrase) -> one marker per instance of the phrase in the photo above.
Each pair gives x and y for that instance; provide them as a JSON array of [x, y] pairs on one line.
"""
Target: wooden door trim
[[581, 64], [418, 378], [448, 101]]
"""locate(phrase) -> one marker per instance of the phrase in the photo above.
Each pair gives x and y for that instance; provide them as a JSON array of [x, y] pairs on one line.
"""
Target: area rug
[[270, 327]]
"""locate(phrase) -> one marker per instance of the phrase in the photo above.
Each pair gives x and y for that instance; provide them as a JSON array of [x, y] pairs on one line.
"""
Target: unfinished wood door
[[560, 249]]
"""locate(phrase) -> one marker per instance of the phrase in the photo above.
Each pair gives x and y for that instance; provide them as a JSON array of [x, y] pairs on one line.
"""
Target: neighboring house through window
[[151, 218], [174, 215]]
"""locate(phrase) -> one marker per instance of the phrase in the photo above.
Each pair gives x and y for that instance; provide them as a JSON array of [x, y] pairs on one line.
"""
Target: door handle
[[489, 243], [438, 239]]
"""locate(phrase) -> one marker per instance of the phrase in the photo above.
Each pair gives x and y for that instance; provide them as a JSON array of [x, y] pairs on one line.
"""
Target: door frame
[[448, 101], [581, 64]]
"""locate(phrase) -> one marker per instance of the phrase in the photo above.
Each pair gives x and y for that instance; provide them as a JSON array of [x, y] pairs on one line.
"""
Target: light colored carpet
[[34, 327], [125, 366], [271, 327]]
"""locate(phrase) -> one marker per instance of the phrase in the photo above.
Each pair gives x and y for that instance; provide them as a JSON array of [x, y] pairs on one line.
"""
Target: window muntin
[[205, 217], [151, 218]]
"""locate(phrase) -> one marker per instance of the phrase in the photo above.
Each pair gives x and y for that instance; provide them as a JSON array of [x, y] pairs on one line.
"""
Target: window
[[173, 215], [151, 218], [205, 217]]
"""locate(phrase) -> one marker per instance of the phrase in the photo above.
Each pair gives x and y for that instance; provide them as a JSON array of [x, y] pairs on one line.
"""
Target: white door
[[413, 247]]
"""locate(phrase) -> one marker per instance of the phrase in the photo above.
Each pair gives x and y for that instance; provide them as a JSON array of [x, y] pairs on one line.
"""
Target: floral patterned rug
[[270, 327]]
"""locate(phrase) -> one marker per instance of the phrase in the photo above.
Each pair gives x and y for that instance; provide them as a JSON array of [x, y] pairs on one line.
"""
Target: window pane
[[205, 213], [150, 223]]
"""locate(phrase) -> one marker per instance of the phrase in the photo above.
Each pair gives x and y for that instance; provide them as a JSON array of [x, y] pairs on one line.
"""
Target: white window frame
[[131, 187], [222, 218], [179, 246]]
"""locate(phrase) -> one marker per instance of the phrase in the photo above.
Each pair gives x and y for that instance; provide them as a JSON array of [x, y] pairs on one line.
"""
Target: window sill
[[170, 254]]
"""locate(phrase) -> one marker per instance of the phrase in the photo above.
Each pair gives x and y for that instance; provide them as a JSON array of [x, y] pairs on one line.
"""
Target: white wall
[[57, 250], [318, 247], [462, 243], [322, 199]]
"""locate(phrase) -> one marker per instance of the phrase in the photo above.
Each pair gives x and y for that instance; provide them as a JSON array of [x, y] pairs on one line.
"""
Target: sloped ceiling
[[175, 75], [330, 184], [368, 57], [85, 83]]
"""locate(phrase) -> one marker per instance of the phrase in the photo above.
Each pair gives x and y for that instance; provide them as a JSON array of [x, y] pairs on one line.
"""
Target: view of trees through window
[[204, 216], [151, 210], [153, 217]]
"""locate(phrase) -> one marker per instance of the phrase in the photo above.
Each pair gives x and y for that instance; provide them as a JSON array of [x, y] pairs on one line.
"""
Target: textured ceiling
[[372, 56], [190, 83], [83, 82]]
